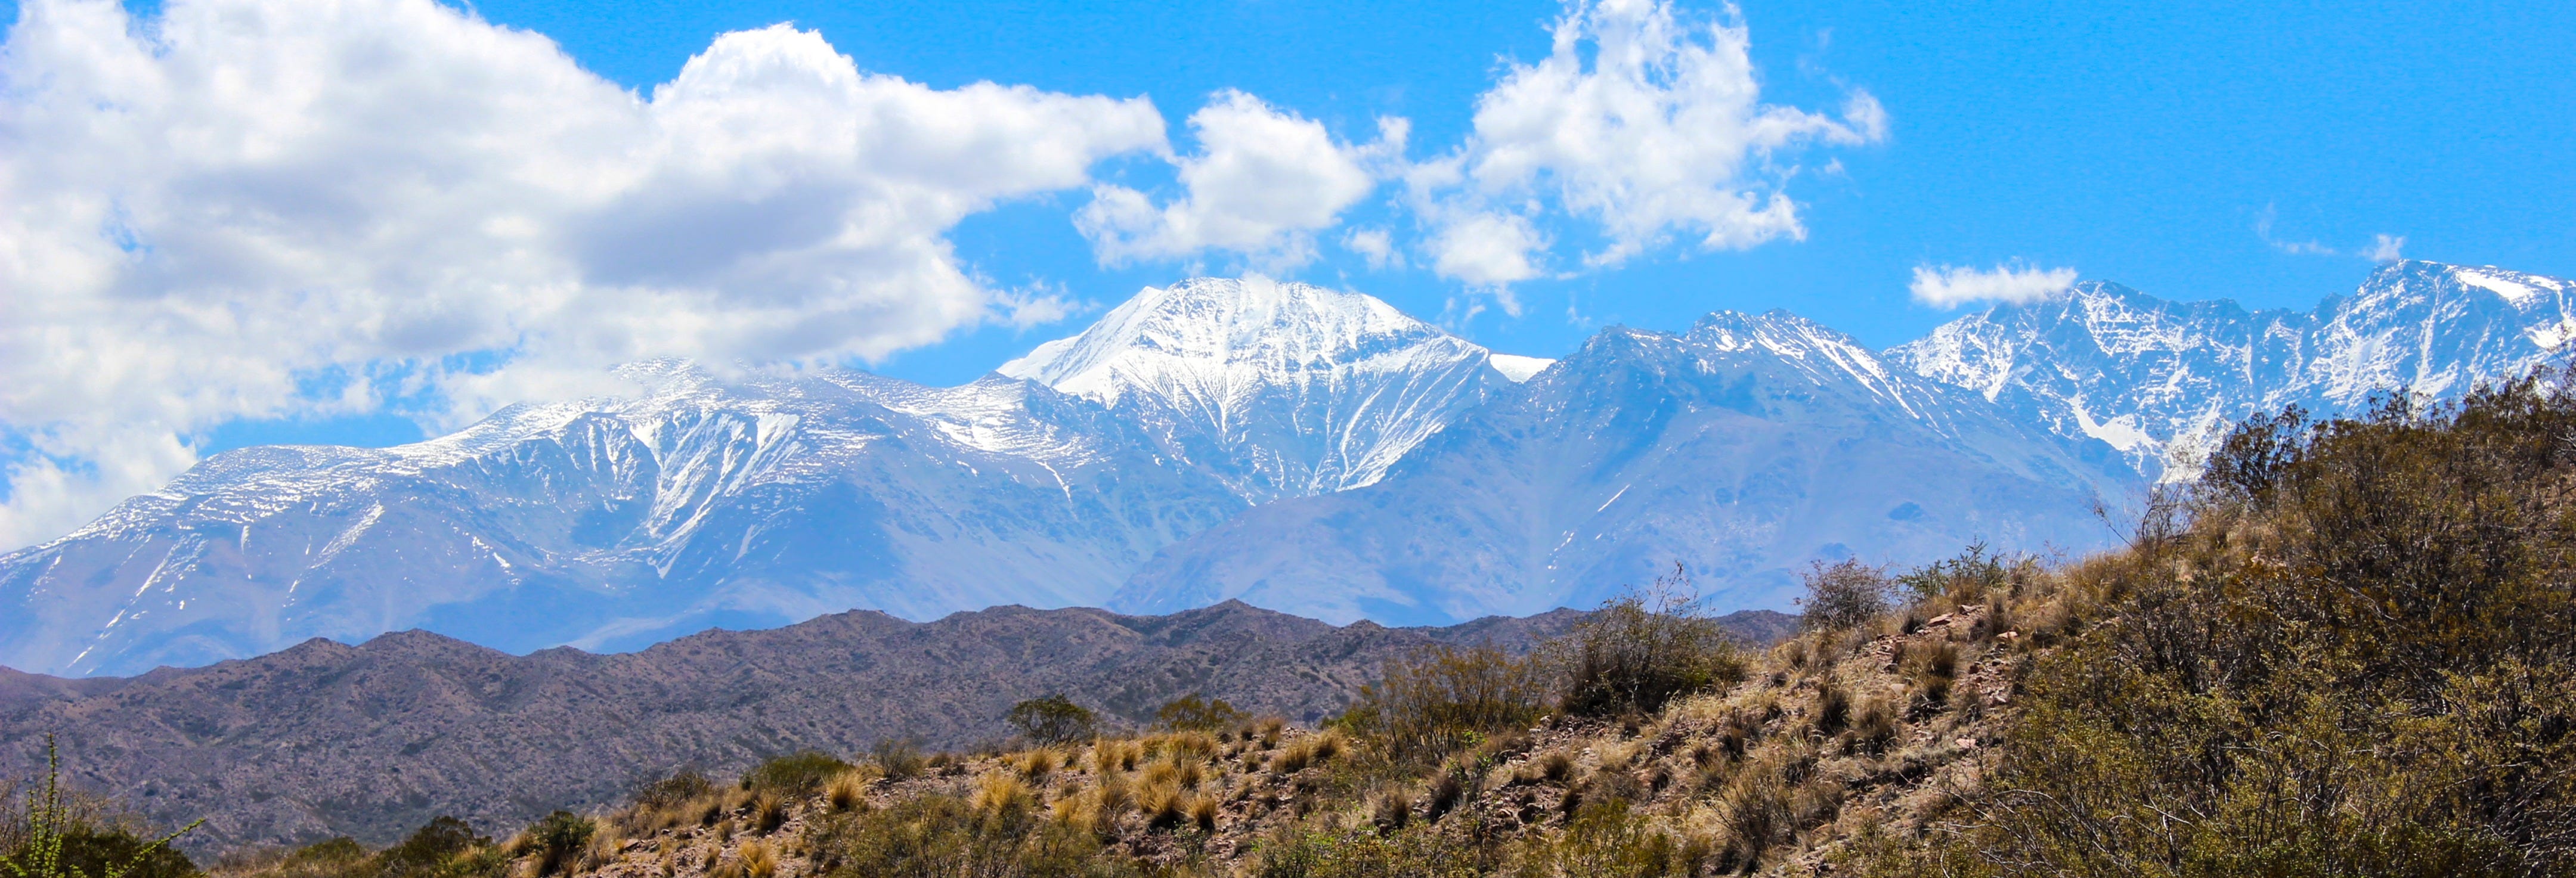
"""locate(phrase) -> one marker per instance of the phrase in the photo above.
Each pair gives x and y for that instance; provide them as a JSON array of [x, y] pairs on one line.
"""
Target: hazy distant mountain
[[2161, 381], [1745, 448]]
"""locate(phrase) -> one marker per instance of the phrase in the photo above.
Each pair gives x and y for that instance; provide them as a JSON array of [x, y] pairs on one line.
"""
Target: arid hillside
[[368, 741]]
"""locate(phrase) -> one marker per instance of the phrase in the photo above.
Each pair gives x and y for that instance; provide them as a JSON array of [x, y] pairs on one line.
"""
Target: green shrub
[[430, 849], [795, 774], [59, 834], [101, 852], [557, 840], [1054, 719], [1195, 713], [1966, 578]]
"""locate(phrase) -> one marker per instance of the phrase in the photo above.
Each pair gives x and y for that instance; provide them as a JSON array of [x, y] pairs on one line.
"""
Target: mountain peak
[[1269, 326], [1289, 388]]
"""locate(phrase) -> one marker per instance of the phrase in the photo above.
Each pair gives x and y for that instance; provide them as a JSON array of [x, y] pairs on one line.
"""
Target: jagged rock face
[[1743, 449], [1281, 389], [2163, 381]]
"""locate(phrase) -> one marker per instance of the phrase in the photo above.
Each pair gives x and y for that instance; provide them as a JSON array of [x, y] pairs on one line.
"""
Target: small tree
[[50, 823], [1054, 719], [1843, 594], [1198, 713]]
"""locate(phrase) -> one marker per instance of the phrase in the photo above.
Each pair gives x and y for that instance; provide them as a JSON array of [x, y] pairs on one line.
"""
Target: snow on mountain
[[1283, 389], [1303, 449], [615, 523], [1745, 448], [2163, 381]]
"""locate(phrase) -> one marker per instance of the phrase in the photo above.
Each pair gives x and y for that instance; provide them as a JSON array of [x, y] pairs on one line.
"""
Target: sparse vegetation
[[54, 832]]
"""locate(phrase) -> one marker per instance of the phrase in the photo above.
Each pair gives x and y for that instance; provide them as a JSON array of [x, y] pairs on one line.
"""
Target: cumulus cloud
[[1262, 183], [2384, 248], [1643, 121], [1375, 245], [1951, 286], [200, 213]]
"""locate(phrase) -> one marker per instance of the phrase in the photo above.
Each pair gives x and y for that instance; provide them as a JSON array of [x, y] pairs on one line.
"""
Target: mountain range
[[1305, 450]]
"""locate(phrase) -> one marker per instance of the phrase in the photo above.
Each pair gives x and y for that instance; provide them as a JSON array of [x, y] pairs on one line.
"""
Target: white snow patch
[[2514, 292], [1518, 368], [2551, 336], [2120, 431]]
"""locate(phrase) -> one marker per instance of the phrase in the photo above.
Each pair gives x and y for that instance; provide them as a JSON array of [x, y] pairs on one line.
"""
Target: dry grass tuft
[[757, 860]]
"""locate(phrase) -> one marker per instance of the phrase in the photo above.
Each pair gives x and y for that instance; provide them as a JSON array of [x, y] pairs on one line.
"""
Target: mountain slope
[[751, 501], [370, 740], [1744, 449], [2161, 380], [1282, 389]]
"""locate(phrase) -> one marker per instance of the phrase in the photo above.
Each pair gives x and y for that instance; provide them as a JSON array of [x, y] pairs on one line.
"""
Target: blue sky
[[2138, 143], [2192, 150]]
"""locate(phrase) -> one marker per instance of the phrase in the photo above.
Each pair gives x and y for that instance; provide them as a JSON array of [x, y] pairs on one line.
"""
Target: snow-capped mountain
[[1745, 448], [1283, 389], [2162, 381], [702, 501], [1303, 449]]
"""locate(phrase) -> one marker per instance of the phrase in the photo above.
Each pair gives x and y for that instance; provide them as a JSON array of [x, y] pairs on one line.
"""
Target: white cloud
[[2382, 248], [1375, 245], [1487, 249], [1951, 286], [1262, 183], [199, 213], [1641, 121]]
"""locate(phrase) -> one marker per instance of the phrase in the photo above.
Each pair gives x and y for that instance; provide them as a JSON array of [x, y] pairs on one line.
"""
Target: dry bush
[[1202, 811], [1842, 595], [768, 812], [1036, 765], [1644, 648], [899, 758], [1439, 698], [1875, 728], [757, 860], [1162, 804], [849, 789], [1390, 810], [1002, 793], [1833, 708]]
